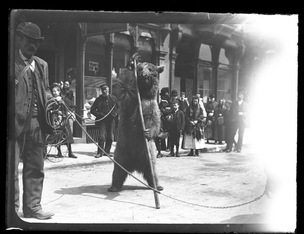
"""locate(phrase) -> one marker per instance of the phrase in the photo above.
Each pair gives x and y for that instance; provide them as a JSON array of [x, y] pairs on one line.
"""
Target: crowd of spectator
[[197, 123]]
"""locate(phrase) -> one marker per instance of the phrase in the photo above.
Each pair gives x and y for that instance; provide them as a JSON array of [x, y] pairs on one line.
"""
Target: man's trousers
[[105, 137], [29, 147]]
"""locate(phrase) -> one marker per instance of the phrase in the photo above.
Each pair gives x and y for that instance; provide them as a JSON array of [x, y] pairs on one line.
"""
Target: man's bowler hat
[[30, 30]]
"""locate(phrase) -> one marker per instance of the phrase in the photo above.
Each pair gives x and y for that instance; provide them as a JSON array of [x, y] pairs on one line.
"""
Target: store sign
[[94, 67]]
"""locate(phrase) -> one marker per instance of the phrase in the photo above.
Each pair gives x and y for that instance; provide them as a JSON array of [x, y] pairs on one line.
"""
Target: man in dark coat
[[240, 112], [105, 110], [31, 82], [165, 111], [229, 126]]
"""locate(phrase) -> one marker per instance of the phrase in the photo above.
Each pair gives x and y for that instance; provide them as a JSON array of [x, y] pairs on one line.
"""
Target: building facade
[[198, 58]]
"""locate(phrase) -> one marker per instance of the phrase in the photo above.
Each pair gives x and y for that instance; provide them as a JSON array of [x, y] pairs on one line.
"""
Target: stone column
[[109, 58], [162, 51], [235, 56], [80, 74], [196, 66], [215, 53], [173, 57], [176, 36]]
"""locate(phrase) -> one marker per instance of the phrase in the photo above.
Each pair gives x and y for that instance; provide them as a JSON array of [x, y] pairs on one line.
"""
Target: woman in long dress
[[195, 117]]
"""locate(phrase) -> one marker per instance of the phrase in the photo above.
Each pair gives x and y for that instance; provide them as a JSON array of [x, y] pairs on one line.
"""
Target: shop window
[[205, 53], [204, 80], [224, 83], [95, 57], [122, 49], [95, 69]]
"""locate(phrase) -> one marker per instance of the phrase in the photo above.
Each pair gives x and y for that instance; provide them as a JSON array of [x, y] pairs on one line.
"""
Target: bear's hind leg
[[118, 178], [149, 178]]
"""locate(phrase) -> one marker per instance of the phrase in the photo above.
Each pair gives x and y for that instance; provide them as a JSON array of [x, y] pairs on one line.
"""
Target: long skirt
[[190, 142]]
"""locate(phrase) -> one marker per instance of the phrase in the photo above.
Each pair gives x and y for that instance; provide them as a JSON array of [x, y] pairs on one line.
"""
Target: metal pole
[[146, 140]]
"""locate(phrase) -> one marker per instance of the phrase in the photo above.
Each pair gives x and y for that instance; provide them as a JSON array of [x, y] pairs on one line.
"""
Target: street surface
[[197, 190]]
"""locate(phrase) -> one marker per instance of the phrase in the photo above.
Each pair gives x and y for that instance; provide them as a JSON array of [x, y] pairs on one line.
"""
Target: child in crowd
[[176, 128], [56, 92]]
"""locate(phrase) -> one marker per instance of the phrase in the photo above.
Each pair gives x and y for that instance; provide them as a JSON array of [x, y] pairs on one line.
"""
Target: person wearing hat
[[240, 113], [166, 119], [174, 97], [31, 85], [104, 109], [229, 126]]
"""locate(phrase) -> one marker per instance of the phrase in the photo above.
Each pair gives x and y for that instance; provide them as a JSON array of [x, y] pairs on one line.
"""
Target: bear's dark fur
[[130, 150]]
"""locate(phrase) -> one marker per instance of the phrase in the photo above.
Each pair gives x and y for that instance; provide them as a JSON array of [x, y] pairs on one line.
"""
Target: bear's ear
[[160, 69]]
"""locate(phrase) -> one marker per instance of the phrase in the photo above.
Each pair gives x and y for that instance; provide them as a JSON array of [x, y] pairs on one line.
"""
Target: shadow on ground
[[246, 218], [93, 190]]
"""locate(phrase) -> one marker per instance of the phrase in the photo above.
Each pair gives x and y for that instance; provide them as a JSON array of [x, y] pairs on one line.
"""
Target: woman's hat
[[30, 30]]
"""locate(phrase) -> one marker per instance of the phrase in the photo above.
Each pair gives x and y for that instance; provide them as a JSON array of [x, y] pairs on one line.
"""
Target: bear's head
[[148, 79]]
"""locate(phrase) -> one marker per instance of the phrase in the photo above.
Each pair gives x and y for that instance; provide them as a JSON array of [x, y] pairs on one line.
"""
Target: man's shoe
[[177, 155], [238, 151], [171, 154], [159, 155], [71, 155], [159, 188], [40, 214], [59, 156], [108, 154], [191, 153], [228, 150], [196, 153], [98, 156]]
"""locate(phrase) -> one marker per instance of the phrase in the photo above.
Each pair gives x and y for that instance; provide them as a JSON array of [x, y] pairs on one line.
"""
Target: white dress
[[190, 142]]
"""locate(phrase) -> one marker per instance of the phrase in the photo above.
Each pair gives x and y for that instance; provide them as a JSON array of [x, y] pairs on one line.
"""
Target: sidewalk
[[86, 155]]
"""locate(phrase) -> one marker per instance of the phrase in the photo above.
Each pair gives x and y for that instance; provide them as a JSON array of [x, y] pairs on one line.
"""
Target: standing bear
[[130, 150]]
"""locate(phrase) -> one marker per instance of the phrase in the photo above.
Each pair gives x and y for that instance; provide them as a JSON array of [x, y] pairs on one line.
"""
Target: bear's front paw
[[147, 134], [133, 58]]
